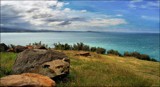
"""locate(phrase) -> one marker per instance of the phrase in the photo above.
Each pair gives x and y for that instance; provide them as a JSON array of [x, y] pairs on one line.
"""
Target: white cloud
[[132, 6], [153, 4], [145, 5], [119, 15], [67, 10], [83, 11], [150, 18], [52, 15], [134, 1]]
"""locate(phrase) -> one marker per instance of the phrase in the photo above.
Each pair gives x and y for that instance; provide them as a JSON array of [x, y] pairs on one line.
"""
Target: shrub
[[38, 44], [114, 52], [81, 46], [59, 46], [101, 50], [144, 57], [139, 56], [93, 49], [136, 54], [78, 46], [153, 60], [85, 48], [67, 47], [127, 54]]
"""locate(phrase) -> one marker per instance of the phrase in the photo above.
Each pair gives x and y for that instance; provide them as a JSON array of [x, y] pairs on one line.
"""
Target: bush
[[114, 52], [67, 46], [93, 49], [139, 56], [60, 46], [127, 54], [144, 57], [153, 60], [101, 50], [37, 44], [86, 48], [78, 46], [136, 54]]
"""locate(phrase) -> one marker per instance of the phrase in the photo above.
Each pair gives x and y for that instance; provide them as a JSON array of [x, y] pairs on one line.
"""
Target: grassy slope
[[6, 62], [103, 70]]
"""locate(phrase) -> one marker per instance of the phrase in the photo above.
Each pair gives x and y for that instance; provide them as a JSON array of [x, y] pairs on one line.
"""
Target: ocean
[[146, 43]]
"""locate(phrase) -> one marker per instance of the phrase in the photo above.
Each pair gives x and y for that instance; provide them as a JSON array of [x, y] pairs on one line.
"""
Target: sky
[[82, 15]]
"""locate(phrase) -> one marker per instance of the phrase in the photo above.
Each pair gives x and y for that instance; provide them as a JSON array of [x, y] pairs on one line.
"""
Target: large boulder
[[27, 80], [3, 47], [46, 62]]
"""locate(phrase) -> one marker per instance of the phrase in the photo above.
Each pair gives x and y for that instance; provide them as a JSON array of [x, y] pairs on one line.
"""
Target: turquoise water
[[143, 43]]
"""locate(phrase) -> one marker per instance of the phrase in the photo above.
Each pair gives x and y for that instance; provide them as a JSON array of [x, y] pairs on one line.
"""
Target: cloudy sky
[[82, 15]]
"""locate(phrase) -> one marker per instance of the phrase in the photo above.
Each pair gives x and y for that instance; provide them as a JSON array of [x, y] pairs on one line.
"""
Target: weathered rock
[[29, 47], [3, 47], [19, 48], [55, 67], [39, 47], [27, 79], [83, 54], [46, 62]]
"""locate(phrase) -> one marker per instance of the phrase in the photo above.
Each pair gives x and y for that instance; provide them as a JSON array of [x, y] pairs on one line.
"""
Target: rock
[[83, 54], [29, 47], [19, 48], [46, 62], [39, 47], [58, 67], [27, 79], [3, 47]]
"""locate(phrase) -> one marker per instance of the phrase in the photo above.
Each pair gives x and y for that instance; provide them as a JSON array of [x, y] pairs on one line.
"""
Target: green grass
[[109, 70], [6, 61], [100, 74], [103, 70]]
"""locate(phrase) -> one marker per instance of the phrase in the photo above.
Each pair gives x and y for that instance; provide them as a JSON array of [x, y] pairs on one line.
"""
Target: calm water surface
[[143, 43]]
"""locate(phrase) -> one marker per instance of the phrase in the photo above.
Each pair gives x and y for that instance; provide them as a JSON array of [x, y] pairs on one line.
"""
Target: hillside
[[101, 70]]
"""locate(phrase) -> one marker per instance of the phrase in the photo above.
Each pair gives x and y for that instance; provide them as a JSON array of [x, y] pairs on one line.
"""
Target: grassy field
[[102, 70]]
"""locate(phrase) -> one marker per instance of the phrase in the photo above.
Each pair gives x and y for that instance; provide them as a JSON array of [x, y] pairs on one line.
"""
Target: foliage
[[79, 47], [93, 49], [100, 50], [139, 56], [113, 52], [62, 46], [38, 44]]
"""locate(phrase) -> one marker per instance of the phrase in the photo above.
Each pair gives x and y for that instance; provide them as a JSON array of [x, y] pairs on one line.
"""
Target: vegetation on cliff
[[79, 47], [83, 47]]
